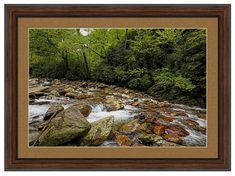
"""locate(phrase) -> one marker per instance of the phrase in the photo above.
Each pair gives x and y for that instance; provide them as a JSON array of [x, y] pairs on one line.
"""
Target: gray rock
[[66, 126]]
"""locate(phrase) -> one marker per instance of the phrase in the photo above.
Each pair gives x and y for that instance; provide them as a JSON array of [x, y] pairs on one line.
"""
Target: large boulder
[[54, 109], [66, 126], [84, 108], [99, 132]]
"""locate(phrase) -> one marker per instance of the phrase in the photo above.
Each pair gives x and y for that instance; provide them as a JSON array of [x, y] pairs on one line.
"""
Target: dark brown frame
[[222, 12]]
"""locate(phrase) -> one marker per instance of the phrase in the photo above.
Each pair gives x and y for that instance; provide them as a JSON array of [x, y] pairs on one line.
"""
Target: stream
[[180, 113]]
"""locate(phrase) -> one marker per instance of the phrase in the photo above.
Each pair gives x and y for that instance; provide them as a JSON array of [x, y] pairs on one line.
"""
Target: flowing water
[[38, 108]]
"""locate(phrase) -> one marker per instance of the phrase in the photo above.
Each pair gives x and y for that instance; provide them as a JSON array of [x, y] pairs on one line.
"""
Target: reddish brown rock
[[123, 140], [177, 130], [159, 129], [129, 127]]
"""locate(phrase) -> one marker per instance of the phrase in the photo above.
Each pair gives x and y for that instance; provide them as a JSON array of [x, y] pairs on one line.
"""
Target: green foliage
[[183, 83], [167, 79], [142, 83], [166, 63]]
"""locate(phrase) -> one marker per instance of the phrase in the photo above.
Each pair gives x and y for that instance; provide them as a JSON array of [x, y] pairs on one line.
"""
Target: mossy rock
[[99, 132], [66, 126]]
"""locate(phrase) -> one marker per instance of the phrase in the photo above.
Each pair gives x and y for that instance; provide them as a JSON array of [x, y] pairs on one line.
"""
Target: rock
[[33, 82], [38, 89], [99, 132], [164, 104], [164, 143], [101, 85], [114, 103], [145, 127], [159, 129], [201, 115], [135, 103], [55, 108], [194, 125], [129, 127], [70, 89], [190, 123], [149, 139], [84, 108], [179, 113], [172, 138], [175, 129], [55, 93], [56, 82], [201, 129], [33, 135], [123, 140], [66, 126], [140, 116], [83, 96], [71, 95]]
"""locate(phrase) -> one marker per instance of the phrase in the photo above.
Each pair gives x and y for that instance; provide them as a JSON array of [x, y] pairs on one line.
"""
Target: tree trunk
[[86, 65], [66, 62]]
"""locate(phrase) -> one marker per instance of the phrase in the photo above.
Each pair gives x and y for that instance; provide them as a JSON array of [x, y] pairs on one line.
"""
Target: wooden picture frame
[[14, 12]]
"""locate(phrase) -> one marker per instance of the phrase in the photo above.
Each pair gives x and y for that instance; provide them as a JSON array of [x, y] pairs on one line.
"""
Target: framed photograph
[[117, 87]]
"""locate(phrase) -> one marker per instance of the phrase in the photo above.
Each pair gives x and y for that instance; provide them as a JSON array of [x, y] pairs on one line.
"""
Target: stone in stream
[[33, 82], [84, 108], [55, 93], [179, 113], [67, 125], [56, 82], [99, 132], [83, 96], [114, 103], [172, 138], [129, 127], [145, 127], [123, 140], [149, 139], [35, 92], [177, 130], [194, 125], [159, 129], [71, 95], [55, 108], [201, 115]]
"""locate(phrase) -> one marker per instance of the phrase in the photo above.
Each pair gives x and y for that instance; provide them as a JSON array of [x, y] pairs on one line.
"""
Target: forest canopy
[[169, 64]]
